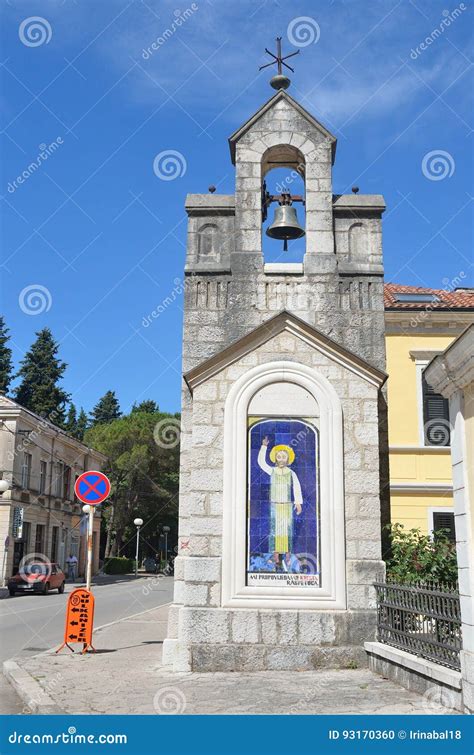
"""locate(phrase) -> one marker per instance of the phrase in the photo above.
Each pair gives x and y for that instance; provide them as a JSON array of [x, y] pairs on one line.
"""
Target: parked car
[[150, 565], [37, 577]]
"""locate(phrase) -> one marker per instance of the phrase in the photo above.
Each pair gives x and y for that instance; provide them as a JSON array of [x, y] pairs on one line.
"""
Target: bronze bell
[[285, 224]]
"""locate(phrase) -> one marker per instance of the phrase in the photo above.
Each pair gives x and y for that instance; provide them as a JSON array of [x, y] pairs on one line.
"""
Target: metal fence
[[421, 619]]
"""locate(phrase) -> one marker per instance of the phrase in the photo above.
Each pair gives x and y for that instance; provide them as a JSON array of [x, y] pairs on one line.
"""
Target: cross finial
[[280, 81]]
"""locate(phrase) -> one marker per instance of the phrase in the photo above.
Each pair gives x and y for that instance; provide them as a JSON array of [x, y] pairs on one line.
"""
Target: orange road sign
[[79, 619]]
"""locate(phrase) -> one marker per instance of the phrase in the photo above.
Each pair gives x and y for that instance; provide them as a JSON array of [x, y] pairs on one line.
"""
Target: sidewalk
[[125, 676]]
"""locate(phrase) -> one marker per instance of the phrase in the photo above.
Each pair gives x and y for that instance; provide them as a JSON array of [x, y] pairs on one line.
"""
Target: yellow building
[[421, 323]]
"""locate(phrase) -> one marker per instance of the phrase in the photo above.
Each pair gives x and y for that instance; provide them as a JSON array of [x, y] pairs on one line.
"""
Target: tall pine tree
[[6, 364], [149, 406], [106, 410], [81, 425], [40, 372], [71, 420]]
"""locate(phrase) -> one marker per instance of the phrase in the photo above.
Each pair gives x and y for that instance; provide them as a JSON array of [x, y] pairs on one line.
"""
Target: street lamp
[[138, 523], [166, 529], [4, 485]]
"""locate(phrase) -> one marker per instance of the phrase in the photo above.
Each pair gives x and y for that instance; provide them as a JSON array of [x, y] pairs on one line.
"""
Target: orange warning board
[[79, 619]]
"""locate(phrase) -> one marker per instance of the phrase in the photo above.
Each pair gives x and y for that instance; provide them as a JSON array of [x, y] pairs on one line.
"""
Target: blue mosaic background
[[305, 537]]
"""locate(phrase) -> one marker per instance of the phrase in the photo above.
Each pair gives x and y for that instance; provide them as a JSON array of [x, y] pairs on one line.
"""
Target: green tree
[[6, 364], [106, 410], [71, 420], [149, 406], [40, 372], [143, 470], [81, 425], [416, 557]]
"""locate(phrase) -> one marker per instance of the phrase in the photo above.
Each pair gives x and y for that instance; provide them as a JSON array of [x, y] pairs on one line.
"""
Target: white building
[[39, 513]]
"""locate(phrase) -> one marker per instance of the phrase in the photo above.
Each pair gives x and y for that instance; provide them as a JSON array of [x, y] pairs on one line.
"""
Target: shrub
[[421, 558], [119, 565]]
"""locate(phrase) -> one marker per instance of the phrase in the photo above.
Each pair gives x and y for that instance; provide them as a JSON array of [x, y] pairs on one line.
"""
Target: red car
[[38, 577]]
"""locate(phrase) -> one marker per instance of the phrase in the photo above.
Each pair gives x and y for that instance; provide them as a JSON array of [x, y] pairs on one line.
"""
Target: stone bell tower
[[280, 356]]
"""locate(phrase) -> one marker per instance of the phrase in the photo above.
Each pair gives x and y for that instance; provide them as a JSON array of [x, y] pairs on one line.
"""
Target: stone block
[[206, 658], [361, 597], [245, 626], [364, 572], [269, 627], [206, 625], [215, 595], [206, 391], [367, 434], [195, 595], [206, 525], [288, 622], [202, 569], [205, 435], [173, 618], [349, 656], [203, 480], [288, 658], [316, 627], [215, 504]]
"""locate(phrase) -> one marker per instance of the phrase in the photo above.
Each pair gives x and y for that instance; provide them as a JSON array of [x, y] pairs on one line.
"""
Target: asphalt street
[[32, 623]]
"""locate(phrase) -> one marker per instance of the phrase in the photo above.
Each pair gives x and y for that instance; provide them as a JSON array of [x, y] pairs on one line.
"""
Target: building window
[[39, 538], [26, 535], [66, 482], [436, 427], [443, 519], [54, 544], [58, 484], [26, 471], [43, 473]]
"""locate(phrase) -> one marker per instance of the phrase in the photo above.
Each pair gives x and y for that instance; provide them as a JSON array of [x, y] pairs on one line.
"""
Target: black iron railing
[[424, 620]]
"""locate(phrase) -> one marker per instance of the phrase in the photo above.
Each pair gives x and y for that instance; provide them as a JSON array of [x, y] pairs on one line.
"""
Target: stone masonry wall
[[212, 638]]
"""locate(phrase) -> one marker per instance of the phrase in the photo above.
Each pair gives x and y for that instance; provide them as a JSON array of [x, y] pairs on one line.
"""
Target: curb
[[31, 692], [36, 699]]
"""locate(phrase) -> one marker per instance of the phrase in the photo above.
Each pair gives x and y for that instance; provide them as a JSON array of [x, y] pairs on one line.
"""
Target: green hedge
[[119, 565]]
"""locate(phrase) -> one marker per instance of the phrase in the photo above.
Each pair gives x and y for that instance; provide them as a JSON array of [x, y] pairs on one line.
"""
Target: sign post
[[91, 488]]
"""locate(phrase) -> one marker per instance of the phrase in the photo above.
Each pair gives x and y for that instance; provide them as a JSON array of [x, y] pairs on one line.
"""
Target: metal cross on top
[[279, 81]]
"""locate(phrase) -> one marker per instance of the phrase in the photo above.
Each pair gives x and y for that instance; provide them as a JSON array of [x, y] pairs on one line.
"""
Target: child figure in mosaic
[[285, 495]]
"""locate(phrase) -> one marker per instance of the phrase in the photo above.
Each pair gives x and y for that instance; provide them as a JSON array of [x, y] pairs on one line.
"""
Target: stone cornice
[[453, 370]]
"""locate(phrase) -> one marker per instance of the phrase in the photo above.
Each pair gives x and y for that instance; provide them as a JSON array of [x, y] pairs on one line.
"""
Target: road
[[32, 623]]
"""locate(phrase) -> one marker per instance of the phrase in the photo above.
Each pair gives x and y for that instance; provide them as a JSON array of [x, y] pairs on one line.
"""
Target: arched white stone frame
[[235, 591]]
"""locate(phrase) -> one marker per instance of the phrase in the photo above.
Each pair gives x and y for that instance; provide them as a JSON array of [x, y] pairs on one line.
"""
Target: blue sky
[[104, 236]]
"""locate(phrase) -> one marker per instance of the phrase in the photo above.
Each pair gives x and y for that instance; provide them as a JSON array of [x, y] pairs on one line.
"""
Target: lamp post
[[138, 523], [90, 529], [4, 485], [166, 529]]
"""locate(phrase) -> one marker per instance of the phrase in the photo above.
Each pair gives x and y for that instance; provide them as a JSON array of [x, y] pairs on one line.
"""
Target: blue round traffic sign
[[92, 487]]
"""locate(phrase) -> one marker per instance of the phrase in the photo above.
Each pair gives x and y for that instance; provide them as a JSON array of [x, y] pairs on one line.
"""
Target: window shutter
[[444, 520], [435, 417]]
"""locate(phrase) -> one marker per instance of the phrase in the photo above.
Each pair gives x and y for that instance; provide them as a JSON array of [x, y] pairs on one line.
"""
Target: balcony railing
[[424, 620]]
